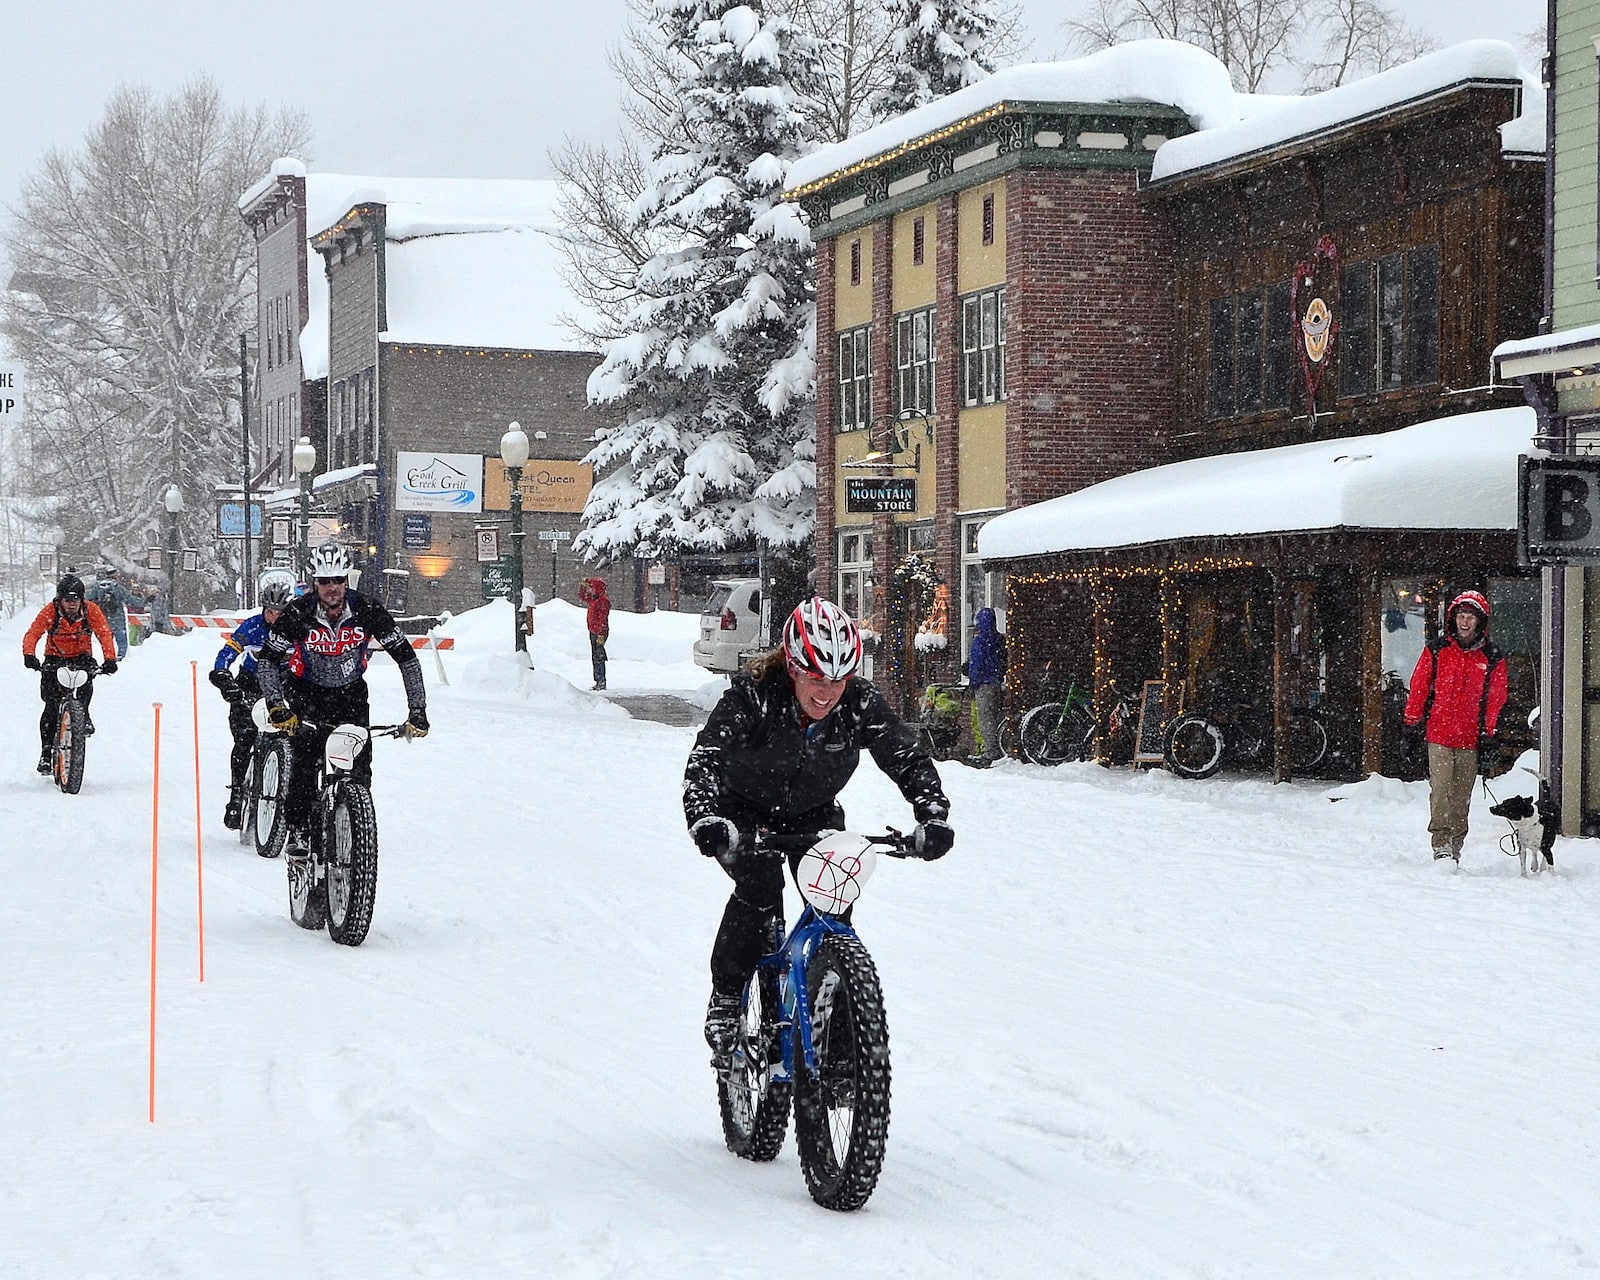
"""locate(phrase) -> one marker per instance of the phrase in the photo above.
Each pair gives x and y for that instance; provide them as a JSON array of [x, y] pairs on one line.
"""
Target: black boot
[[722, 1018], [44, 761], [233, 815]]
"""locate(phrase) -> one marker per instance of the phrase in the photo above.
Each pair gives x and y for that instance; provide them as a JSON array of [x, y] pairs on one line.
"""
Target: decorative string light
[[894, 153]]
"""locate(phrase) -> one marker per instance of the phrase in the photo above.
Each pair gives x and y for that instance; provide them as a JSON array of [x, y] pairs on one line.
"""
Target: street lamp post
[[172, 500], [305, 462], [514, 453]]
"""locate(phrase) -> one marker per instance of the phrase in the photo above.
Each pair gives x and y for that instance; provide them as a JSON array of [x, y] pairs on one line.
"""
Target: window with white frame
[[914, 355], [983, 347], [980, 588], [855, 572], [855, 378]]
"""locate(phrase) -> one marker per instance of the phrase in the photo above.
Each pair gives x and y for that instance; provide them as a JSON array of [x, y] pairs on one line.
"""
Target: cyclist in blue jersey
[[242, 690]]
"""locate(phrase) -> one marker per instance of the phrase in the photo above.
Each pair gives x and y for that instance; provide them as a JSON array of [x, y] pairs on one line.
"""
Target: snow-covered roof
[[1446, 473], [1431, 74], [498, 285], [1160, 71], [325, 480], [1547, 352]]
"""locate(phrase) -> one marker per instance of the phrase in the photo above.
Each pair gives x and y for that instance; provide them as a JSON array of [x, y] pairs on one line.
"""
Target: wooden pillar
[[1371, 631], [1100, 597], [1282, 623]]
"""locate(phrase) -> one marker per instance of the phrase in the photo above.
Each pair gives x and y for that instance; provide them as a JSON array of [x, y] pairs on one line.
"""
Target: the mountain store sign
[[871, 494]]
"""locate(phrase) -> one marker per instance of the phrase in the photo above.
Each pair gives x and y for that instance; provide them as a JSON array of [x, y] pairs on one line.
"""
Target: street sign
[[191, 561], [230, 519], [499, 580], [1558, 510], [154, 558], [488, 546], [47, 563], [416, 532], [282, 531], [656, 575], [554, 535]]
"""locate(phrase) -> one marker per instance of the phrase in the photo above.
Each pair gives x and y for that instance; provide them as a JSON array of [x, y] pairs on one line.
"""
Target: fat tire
[[350, 844], [850, 1040], [247, 806], [308, 898], [271, 770], [754, 1106], [70, 741], [1193, 746]]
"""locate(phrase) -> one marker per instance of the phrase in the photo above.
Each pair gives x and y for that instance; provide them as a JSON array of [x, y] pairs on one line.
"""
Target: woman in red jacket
[[592, 592], [1457, 692]]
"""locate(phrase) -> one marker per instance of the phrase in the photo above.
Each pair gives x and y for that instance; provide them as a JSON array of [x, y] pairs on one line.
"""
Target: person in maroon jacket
[[592, 592], [1457, 693]]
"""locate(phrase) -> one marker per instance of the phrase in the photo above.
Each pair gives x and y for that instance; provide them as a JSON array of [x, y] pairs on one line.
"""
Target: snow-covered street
[[1141, 1027]]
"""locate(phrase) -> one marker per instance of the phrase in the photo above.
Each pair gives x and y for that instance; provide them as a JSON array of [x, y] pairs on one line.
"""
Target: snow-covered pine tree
[[717, 370], [940, 46]]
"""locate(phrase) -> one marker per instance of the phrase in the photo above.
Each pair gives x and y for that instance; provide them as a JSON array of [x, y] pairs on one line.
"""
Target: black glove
[[226, 685], [108, 667], [716, 837], [932, 839], [31, 661], [1488, 755], [282, 717], [416, 725]]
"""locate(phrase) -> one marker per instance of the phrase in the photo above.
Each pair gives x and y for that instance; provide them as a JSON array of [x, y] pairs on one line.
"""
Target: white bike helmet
[[820, 639], [330, 560]]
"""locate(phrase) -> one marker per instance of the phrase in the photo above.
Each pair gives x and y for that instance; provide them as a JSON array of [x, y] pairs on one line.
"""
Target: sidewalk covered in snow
[[1310, 570]]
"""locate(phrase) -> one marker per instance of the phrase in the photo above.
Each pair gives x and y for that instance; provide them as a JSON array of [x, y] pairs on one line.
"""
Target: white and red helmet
[[1471, 600], [820, 639]]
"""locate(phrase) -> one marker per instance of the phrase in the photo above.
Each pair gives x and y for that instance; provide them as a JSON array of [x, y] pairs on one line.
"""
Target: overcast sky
[[475, 88]]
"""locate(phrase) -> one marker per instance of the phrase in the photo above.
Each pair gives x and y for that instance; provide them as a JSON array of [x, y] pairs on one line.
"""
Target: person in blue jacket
[[986, 669], [242, 690]]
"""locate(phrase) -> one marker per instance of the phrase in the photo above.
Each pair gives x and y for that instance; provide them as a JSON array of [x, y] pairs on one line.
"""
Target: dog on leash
[[1528, 825]]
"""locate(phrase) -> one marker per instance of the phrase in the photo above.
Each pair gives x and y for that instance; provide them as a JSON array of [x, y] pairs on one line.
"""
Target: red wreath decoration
[[1305, 276]]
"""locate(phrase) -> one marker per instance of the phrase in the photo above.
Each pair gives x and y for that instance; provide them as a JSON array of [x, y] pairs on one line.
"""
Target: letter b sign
[[1560, 503], [1566, 515]]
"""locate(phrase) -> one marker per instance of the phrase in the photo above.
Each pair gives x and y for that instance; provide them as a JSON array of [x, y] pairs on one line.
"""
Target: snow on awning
[[328, 480], [1568, 351], [1447, 473]]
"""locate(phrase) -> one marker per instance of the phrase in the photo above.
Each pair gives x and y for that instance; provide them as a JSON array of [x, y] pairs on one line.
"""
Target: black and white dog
[[1534, 827]]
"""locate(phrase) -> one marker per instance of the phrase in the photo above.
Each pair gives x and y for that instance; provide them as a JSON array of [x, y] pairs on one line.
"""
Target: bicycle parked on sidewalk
[[1054, 733], [265, 779], [812, 1029], [336, 882], [1197, 744], [72, 722]]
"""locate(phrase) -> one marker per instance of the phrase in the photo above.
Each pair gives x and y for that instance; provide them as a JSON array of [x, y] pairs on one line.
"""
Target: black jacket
[[332, 653], [755, 764]]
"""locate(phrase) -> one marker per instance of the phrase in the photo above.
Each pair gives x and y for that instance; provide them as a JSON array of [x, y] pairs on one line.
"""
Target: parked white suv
[[730, 625]]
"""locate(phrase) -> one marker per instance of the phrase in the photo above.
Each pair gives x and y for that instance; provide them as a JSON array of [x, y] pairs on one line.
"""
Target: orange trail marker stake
[[199, 864], [155, 834]]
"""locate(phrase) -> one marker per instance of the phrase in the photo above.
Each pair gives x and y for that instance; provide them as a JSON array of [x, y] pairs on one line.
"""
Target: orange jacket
[[70, 639]]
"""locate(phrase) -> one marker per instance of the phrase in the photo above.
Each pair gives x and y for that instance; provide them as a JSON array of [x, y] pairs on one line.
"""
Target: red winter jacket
[[593, 591], [1468, 688]]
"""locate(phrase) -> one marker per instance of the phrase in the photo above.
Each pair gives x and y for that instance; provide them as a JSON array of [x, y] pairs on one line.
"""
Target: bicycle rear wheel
[[1308, 741], [754, 1106], [841, 1115], [351, 842], [1051, 734], [247, 796], [71, 723]]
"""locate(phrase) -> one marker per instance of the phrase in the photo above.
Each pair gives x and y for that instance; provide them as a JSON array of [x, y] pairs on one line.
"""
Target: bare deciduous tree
[[1361, 37], [134, 276]]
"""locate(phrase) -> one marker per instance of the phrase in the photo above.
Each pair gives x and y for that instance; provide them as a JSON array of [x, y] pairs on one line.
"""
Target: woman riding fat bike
[[773, 756], [68, 625]]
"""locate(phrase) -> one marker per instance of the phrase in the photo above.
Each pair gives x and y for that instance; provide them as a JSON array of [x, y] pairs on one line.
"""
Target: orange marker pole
[[199, 872], [155, 834]]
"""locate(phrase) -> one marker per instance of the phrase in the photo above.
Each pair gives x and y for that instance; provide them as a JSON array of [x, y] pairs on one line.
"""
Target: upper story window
[[1389, 323], [1252, 337], [988, 219], [983, 347], [855, 378], [914, 360], [855, 262], [919, 241]]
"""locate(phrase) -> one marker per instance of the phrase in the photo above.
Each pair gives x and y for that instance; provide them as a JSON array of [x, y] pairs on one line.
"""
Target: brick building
[[404, 324]]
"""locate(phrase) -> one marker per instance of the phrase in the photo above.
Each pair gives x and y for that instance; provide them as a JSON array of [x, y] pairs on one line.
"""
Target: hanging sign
[[1318, 325], [869, 494], [230, 519], [488, 546], [438, 481]]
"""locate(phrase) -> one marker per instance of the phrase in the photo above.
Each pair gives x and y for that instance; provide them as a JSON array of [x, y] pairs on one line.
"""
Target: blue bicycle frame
[[790, 961]]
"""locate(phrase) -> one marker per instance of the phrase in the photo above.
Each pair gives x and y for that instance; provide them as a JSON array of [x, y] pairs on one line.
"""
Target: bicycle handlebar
[[891, 843], [373, 731]]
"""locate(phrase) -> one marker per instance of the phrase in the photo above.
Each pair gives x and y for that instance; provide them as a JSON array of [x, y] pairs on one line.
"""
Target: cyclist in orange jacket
[[68, 625]]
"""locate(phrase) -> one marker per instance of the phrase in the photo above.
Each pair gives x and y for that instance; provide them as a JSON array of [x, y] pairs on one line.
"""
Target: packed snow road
[[1140, 1027]]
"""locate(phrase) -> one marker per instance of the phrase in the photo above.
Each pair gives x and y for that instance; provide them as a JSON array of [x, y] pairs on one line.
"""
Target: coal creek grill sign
[[866, 494]]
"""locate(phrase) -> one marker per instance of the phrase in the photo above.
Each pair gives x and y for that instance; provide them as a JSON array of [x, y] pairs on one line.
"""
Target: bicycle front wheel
[[754, 1106], [841, 1114], [270, 774], [1308, 741], [247, 792], [71, 734], [1193, 746], [1052, 734], [352, 860]]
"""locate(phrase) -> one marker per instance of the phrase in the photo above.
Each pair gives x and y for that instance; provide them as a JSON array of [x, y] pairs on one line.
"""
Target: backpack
[[1492, 656]]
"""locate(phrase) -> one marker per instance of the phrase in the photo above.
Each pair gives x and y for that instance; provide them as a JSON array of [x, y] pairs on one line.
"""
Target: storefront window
[[980, 588]]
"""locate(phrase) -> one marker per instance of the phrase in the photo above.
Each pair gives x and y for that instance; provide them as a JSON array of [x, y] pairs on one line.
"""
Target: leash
[[1515, 851]]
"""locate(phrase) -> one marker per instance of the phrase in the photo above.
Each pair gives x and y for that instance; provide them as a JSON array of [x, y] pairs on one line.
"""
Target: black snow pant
[[242, 727], [326, 708], [752, 922], [51, 691], [597, 659]]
